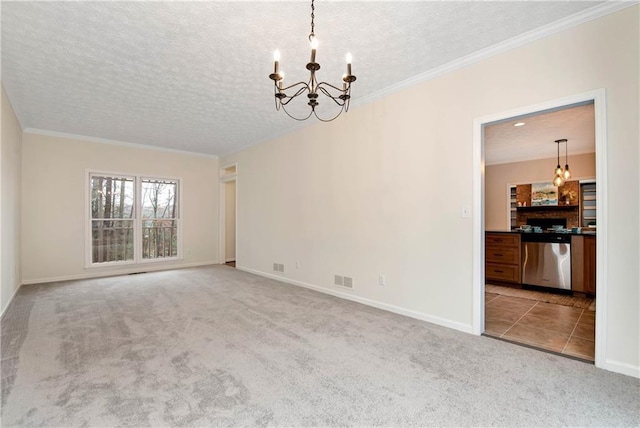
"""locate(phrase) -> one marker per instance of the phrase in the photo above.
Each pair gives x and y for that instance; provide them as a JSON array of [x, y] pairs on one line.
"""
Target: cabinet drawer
[[503, 239], [508, 255], [508, 273]]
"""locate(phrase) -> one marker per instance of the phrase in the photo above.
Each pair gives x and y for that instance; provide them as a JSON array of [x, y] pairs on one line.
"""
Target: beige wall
[[497, 179], [54, 203], [380, 190], [10, 154], [230, 220]]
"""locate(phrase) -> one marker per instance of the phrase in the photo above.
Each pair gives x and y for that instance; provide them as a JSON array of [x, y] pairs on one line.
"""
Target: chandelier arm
[[337, 100], [334, 87], [278, 103], [328, 120], [295, 118], [305, 86], [289, 99]]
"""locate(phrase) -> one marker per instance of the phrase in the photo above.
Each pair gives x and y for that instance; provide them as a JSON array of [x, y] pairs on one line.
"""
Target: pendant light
[[566, 174], [558, 178]]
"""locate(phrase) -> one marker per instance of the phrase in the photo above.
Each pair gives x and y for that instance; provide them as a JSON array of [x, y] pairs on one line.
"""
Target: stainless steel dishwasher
[[546, 260]]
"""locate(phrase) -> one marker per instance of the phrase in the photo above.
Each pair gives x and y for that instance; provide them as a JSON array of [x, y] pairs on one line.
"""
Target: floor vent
[[338, 280]]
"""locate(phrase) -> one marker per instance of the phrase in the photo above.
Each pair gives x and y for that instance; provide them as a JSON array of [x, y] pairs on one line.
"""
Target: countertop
[[520, 232]]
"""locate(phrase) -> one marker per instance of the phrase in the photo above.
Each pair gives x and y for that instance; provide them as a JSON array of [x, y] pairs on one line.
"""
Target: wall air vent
[[343, 281]]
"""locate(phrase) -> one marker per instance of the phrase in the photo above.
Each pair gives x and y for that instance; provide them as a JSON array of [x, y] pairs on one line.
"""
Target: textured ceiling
[[536, 138], [193, 75]]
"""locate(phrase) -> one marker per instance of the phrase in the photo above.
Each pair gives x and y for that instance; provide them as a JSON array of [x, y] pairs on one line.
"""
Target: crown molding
[[507, 45], [113, 142]]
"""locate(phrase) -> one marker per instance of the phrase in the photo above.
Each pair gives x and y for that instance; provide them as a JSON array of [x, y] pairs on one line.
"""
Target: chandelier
[[285, 94], [562, 174]]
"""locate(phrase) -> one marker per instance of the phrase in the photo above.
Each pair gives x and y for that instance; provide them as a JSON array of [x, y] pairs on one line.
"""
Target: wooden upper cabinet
[[523, 195], [569, 193]]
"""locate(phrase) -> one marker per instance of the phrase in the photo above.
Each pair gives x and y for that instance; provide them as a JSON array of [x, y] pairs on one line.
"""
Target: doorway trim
[[222, 201], [598, 97]]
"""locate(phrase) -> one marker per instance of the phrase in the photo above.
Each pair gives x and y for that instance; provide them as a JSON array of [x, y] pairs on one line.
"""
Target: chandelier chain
[[313, 8]]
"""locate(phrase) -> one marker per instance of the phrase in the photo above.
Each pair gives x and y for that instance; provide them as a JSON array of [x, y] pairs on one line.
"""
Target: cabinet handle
[[498, 271], [498, 254]]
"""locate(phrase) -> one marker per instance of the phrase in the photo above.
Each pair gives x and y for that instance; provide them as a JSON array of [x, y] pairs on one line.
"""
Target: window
[[133, 219], [159, 219]]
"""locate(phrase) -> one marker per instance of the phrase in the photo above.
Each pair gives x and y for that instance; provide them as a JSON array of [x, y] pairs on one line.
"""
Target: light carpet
[[215, 346]]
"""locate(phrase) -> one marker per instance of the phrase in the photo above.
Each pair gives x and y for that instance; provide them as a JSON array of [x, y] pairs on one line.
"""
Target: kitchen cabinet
[[583, 263], [588, 203], [513, 212], [590, 264], [523, 195], [502, 257]]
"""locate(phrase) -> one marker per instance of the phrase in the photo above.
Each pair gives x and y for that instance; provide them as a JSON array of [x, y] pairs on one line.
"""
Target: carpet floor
[[215, 346]]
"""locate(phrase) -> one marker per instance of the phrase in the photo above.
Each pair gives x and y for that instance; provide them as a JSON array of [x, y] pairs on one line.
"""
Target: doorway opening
[[508, 304], [228, 215]]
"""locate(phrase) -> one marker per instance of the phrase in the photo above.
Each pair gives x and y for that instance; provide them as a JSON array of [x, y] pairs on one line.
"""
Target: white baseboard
[[133, 269], [622, 368], [365, 301], [13, 296]]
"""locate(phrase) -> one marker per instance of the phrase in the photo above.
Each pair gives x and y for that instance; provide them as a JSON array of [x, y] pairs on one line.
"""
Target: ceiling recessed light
[[518, 124]]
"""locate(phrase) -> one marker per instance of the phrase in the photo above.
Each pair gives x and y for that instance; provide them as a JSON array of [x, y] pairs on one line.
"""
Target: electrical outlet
[[465, 211], [382, 280], [297, 264]]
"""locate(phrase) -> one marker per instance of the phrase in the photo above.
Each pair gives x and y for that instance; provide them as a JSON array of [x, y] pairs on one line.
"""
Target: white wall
[[380, 190], [230, 220], [497, 178], [10, 154], [54, 203]]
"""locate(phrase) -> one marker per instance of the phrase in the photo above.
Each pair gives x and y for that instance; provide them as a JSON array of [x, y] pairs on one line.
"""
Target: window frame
[[137, 220]]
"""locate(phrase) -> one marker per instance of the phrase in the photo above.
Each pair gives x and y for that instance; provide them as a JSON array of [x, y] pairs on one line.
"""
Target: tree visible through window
[[159, 219], [117, 202], [112, 218]]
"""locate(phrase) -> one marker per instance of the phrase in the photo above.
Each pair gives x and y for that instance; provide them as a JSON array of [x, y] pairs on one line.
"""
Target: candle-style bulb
[[349, 58], [276, 58], [314, 46]]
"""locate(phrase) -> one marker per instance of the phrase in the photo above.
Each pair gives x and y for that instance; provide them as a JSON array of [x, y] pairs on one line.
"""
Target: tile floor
[[563, 329]]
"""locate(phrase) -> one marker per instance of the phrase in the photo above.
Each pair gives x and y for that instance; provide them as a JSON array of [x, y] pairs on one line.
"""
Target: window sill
[[115, 265]]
